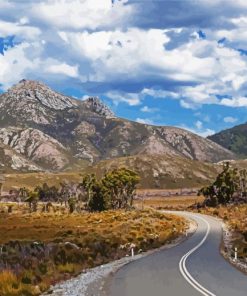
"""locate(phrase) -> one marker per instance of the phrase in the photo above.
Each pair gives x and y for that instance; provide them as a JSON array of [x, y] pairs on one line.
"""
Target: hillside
[[58, 133], [159, 171], [234, 139], [156, 171]]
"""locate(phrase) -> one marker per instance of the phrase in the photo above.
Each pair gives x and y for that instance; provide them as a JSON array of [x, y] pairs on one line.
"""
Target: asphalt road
[[192, 268]]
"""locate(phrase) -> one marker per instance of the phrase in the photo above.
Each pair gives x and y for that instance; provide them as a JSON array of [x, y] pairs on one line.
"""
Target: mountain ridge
[[57, 132], [234, 139]]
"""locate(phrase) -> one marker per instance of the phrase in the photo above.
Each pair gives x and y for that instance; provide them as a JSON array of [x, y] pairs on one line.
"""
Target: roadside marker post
[[236, 254], [132, 247]]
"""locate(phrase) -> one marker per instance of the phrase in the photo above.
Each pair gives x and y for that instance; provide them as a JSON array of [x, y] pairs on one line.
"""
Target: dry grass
[[169, 203], [75, 242], [31, 180]]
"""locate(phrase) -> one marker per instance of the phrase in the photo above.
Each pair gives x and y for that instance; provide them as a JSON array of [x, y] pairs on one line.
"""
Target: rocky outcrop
[[94, 104], [10, 161], [36, 146]]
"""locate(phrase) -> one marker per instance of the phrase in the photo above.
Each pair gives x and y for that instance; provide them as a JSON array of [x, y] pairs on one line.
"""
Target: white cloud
[[131, 99], [234, 102], [64, 69], [144, 121], [15, 64], [198, 124], [230, 119], [148, 109], [159, 93], [98, 44], [81, 14], [19, 29]]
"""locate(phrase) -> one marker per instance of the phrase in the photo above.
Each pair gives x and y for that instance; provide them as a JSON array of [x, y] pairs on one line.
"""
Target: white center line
[[182, 264]]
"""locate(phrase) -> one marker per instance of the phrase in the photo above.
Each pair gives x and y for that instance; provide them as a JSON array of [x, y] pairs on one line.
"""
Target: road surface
[[192, 268]]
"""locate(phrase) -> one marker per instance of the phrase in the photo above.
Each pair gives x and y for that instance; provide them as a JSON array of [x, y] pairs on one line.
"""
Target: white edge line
[[182, 264]]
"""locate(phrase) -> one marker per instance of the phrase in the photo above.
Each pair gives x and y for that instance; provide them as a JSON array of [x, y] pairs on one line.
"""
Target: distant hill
[[233, 139], [50, 131], [160, 171]]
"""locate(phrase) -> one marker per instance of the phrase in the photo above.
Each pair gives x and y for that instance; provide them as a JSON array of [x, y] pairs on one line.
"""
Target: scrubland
[[40, 249]]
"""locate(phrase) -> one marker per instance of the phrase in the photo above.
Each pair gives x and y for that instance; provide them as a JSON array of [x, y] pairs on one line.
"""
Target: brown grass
[[169, 203], [99, 237]]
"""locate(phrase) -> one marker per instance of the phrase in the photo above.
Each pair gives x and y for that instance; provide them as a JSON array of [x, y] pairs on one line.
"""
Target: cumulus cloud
[[64, 69], [81, 14], [20, 29], [128, 50], [234, 102]]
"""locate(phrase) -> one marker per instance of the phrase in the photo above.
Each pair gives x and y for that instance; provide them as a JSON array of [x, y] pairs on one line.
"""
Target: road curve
[[192, 268]]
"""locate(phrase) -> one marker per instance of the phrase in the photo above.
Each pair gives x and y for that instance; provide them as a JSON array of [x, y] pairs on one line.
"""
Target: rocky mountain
[[57, 132], [233, 139]]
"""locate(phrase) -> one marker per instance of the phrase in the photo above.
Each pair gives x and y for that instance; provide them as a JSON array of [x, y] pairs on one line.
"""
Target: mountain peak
[[94, 104], [38, 92]]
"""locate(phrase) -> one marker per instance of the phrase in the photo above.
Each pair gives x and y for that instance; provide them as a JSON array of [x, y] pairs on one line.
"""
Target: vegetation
[[234, 139], [229, 186], [115, 190], [169, 203], [40, 249]]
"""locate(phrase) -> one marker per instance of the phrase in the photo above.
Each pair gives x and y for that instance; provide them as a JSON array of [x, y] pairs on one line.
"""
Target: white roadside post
[[236, 254], [132, 247]]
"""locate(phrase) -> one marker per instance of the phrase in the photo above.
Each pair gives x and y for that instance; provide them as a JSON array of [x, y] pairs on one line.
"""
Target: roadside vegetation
[[53, 233], [226, 198]]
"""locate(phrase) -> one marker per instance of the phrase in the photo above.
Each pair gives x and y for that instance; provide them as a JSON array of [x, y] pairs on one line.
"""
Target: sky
[[172, 62]]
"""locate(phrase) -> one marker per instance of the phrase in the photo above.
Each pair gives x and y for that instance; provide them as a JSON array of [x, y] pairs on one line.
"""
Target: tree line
[[115, 190]]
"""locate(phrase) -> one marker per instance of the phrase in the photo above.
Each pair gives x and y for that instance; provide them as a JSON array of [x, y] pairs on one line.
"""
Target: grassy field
[[31, 180], [41, 249], [169, 203]]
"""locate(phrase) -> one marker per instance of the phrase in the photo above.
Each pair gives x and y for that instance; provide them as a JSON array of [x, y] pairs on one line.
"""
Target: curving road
[[192, 268]]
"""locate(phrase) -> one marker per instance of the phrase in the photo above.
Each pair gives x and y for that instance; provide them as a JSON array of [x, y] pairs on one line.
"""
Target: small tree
[[120, 186], [72, 204], [223, 188], [32, 201], [97, 202]]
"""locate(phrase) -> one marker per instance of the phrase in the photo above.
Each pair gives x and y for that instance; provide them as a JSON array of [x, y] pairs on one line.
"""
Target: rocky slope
[[234, 139], [162, 171], [57, 132], [11, 161]]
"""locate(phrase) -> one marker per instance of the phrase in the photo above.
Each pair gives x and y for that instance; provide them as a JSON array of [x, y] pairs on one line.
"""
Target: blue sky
[[171, 62]]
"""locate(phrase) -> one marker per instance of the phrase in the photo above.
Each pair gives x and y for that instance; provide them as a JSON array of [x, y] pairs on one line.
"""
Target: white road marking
[[182, 264]]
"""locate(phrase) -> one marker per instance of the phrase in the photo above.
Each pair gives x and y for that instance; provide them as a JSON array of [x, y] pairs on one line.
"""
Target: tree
[[95, 197], [97, 201], [120, 186], [224, 187], [47, 193], [115, 190], [72, 204], [32, 200]]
